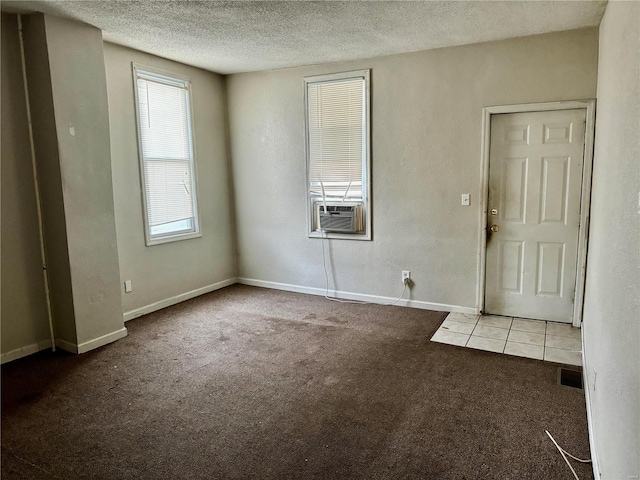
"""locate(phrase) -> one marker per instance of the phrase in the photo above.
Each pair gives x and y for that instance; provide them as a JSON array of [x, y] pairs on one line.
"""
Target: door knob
[[494, 228]]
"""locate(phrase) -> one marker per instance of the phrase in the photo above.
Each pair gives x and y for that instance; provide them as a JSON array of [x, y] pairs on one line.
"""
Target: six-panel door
[[535, 182]]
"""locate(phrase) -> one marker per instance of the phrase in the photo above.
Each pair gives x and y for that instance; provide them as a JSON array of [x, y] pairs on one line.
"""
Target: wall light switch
[[466, 201], [127, 286]]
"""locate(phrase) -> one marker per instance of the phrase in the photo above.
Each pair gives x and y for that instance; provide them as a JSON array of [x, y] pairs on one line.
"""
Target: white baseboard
[[138, 312], [66, 345], [363, 297], [587, 398], [24, 351], [101, 341], [91, 344]]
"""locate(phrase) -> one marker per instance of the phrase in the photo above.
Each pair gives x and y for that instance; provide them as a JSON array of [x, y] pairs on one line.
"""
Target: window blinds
[[166, 150], [336, 111]]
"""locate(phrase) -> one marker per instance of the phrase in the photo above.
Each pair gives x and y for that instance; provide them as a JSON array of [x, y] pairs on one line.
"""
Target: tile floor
[[553, 342]]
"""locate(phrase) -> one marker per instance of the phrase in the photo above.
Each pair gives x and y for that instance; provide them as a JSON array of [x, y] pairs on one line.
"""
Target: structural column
[[70, 119]]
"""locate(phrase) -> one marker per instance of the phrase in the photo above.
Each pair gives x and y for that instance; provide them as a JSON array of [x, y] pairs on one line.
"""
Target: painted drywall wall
[[160, 273], [426, 113], [82, 119], [49, 173], [24, 326], [611, 323], [65, 65]]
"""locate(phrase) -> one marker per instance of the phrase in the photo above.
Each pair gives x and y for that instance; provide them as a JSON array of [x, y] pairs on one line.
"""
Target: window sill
[[172, 238], [340, 236]]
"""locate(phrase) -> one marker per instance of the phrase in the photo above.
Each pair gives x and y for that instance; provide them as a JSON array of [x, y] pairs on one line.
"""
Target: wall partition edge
[[587, 397]]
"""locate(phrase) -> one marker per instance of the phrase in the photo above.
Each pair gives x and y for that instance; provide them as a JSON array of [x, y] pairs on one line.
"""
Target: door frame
[[589, 105]]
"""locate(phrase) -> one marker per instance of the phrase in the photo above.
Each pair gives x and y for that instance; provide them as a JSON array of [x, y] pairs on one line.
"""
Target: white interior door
[[535, 183]]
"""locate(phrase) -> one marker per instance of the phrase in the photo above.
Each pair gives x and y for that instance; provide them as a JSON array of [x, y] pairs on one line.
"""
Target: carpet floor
[[254, 383]]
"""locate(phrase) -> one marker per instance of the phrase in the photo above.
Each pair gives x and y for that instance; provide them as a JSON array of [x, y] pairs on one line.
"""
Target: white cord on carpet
[[564, 454], [326, 278]]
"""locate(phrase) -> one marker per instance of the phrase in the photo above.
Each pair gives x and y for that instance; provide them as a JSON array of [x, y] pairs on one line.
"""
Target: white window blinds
[[336, 123], [166, 152]]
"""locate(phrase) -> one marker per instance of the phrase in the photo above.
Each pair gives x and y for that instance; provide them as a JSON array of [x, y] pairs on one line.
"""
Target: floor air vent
[[570, 377]]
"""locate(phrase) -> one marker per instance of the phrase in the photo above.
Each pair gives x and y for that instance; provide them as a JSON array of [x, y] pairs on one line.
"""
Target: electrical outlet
[[406, 276], [127, 286]]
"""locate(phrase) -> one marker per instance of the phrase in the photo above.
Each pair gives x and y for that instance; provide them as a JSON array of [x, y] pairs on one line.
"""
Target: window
[[337, 128], [167, 164]]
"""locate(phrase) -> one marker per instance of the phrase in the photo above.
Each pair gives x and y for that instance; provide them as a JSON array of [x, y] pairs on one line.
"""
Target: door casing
[[590, 106]]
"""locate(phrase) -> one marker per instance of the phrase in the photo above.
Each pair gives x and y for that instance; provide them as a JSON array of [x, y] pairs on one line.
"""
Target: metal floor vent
[[570, 377]]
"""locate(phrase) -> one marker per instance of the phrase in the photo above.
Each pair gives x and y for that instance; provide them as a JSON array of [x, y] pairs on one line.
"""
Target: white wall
[[82, 121], [68, 102], [162, 274], [426, 147], [611, 324], [50, 185], [24, 312]]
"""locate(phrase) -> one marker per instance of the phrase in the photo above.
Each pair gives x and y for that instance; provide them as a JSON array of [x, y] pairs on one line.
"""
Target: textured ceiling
[[232, 37]]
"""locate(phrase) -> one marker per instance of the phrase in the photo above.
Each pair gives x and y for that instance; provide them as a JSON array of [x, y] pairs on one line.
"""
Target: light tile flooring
[[553, 342]]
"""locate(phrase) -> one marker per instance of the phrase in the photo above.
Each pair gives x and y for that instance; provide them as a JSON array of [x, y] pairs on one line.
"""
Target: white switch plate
[[127, 286], [465, 201]]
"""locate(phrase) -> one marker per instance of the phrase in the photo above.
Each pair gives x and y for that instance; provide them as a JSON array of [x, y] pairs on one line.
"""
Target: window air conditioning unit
[[339, 218]]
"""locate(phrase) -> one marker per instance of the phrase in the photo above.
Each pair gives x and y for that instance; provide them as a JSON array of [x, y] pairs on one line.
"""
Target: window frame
[[178, 80], [366, 166]]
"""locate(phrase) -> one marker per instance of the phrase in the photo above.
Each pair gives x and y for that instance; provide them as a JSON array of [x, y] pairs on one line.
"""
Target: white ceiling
[[232, 37]]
